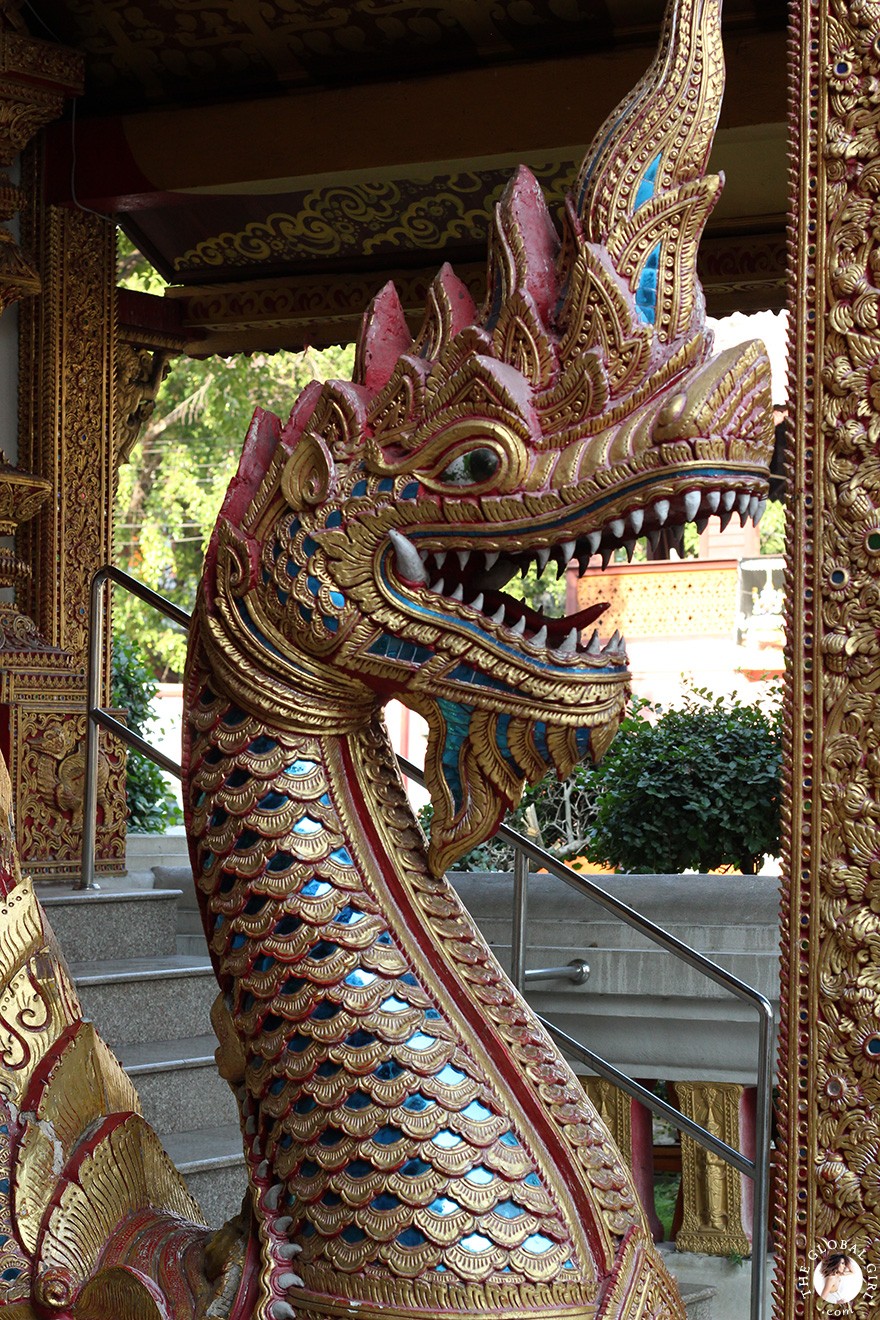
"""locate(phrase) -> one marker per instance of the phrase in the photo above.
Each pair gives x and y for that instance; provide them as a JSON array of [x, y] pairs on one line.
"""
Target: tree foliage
[[151, 805], [694, 788], [171, 490]]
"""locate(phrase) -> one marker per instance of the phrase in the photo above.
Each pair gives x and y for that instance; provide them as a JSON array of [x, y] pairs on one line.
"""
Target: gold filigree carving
[[139, 373], [712, 1216], [830, 1043]]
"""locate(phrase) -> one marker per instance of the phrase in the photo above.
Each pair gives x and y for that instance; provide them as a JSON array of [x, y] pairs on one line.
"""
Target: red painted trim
[[100, 151]]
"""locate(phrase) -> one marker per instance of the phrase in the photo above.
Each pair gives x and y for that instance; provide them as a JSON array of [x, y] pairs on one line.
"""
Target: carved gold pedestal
[[713, 1202], [42, 725]]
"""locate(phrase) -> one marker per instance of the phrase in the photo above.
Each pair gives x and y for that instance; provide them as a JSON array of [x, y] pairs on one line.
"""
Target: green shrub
[[695, 788], [151, 805]]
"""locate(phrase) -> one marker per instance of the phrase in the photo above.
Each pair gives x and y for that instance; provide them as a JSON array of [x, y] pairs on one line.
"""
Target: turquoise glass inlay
[[443, 1206], [360, 978], [509, 1210], [648, 183], [393, 1005], [476, 1112], [316, 888], [538, 1244], [450, 1076], [446, 1140], [307, 825], [480, 1176], [646, 293], [475, 1242], [420, 1042], [300, 767]]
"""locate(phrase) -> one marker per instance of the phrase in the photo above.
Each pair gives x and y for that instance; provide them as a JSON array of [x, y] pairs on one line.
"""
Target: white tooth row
[[411, 563], [699, 507]]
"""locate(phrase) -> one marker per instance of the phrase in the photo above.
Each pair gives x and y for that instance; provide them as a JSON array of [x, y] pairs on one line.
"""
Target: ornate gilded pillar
[[713, 1209], [828, 1190], [630, 1124]]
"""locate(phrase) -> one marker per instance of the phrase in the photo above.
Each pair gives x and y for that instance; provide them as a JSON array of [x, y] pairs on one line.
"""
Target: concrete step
[[698, 1302], [95, 924], [144, 851], [212, 1162], [178, 1083], [147, 999]]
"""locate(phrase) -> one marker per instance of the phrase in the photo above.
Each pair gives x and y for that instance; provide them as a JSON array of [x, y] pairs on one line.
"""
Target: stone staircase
[[151, 1003]]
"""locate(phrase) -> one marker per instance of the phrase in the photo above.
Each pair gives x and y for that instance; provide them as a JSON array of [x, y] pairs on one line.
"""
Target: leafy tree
[[151, 805], [695, 788]]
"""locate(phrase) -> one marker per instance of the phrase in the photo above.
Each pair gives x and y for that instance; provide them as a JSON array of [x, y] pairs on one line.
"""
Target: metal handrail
[[525, 851], [97, 716]]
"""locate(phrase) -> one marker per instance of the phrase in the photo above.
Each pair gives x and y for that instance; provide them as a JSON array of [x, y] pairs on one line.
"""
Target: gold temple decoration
[[713, 1204], [828, 1189], [35, 78]]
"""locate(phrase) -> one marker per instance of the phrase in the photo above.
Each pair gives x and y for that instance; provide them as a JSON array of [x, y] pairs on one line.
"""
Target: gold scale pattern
[[380, 1131]]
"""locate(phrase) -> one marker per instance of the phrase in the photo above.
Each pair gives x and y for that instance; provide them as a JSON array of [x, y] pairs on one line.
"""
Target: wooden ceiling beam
[[742, 272], [412, 128]]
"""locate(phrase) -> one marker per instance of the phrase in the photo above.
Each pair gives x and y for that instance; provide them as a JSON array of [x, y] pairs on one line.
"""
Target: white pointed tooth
[[458, 593], [439, 558], [692, 501], [272, 1197], [540, 637], [622, 642], [713, 499], [289, 1280], [438, 586], [477, 602], [250, 1126], [566, 552], [407, 556], [654, 538], [613, 642], [593, 541], [724, 518], [570, 645], [607, 552], [280, 1310], [463, 557], [492, 558], [630, 548], [287, 1250], [543, 555], [262, 1169], [617, 528], [701, 524], [759, 511], [727, 500], [283, 1224], [498, 616], [636, 519], [594, 646], [519, 627], [753, 507], [742, 507], [525, 565], [661, 510]]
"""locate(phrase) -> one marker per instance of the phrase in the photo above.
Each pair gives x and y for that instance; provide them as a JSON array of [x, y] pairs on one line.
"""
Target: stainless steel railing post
[[520, 916]]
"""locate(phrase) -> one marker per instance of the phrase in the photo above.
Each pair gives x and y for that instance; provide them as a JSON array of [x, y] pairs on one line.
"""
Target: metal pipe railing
[[525, 851], [95, 714]]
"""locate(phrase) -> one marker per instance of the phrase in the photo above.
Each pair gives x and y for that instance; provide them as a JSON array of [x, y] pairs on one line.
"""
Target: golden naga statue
[[415, 1145]]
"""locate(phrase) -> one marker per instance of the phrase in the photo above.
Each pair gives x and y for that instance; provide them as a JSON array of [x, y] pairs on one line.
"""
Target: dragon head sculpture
[[363, 550]]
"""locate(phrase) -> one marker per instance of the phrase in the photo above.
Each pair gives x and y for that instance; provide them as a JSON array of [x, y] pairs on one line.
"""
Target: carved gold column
[[829, 1187], [67, 436], [712, 1202], [630, 1124]]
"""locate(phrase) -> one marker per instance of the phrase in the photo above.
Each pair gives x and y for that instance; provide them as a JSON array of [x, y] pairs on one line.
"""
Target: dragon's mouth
[[471, 579]]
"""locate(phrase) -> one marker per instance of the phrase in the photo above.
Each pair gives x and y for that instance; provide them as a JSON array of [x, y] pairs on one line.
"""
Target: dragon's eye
[[472, 468]]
